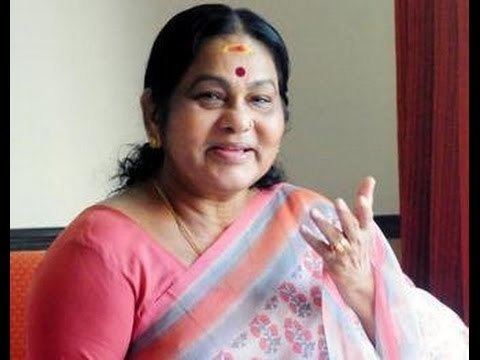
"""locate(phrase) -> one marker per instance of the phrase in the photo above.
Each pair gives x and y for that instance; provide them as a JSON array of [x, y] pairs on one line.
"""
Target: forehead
[[223, 55]]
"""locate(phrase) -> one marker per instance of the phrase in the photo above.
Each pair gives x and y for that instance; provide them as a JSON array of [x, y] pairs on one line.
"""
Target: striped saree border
[[253, 254]]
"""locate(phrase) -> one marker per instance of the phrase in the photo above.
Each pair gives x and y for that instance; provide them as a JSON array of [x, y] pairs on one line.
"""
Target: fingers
[[366, 188], [337, 241], [364, 202], [349, 223], [348, 237], [364, 212], [333, 235], [315, 242]]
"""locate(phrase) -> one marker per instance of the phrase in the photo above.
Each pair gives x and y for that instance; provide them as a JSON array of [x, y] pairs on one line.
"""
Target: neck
[[205, 216]]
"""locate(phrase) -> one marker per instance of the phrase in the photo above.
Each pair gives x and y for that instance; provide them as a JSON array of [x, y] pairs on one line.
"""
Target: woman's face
[[226, 119]]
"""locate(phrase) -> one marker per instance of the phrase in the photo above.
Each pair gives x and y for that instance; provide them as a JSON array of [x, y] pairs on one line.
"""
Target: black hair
[[172, 53]]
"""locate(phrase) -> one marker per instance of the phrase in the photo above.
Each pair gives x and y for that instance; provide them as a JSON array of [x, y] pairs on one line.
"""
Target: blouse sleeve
[[79, 307]]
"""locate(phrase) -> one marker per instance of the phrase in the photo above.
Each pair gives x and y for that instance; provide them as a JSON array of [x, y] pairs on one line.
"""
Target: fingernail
[[304, 229], [341, 204], [317, 214]]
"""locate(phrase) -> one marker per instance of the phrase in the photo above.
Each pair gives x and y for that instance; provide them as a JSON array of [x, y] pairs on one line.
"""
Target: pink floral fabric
[[289, 323]]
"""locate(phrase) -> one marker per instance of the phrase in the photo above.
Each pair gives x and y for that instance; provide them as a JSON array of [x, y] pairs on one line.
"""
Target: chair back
[[22, 268]]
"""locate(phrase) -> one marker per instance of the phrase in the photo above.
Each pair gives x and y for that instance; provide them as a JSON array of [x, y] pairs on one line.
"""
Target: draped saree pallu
[[259, 292]]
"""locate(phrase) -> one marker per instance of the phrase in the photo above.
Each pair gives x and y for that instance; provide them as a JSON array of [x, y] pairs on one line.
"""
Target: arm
[[400, 320], [347, 256], [78, 307]]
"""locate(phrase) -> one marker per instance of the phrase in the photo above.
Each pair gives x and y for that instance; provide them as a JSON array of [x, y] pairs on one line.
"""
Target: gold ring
[[340, 245]]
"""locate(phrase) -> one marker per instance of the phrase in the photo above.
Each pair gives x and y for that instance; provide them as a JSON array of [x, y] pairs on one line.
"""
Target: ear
[[149, 120]]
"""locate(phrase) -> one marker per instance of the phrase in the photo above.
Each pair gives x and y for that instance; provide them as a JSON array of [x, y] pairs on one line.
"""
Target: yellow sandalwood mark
[[238, 48]]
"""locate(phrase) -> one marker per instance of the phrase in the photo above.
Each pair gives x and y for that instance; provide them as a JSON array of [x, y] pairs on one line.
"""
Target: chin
[[232, 183], [231, 186]]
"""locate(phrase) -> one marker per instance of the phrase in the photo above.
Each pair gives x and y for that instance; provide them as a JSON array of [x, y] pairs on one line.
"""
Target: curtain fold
[[433, 99]]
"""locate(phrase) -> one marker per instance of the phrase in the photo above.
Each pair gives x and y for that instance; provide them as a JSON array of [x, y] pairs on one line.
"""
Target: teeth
[[227, 148]]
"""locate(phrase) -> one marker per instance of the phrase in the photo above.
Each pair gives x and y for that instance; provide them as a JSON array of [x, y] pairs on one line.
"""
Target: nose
[[236, 120]]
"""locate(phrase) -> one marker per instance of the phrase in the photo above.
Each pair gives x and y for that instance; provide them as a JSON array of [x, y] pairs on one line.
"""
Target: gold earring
[[154, 143]]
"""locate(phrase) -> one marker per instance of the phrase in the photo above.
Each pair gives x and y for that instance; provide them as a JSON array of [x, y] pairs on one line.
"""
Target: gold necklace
[[182, 227]]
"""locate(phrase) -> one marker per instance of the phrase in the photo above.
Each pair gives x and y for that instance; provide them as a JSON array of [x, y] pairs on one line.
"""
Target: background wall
[[76, 75]]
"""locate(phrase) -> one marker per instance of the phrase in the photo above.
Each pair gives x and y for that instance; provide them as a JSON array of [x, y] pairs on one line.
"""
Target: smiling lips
[[232, 153]]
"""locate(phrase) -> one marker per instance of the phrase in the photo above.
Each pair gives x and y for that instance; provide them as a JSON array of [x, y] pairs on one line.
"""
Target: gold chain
[[182, 227]]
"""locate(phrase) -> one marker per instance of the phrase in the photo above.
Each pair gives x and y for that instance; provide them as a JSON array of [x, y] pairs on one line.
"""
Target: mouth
[[232, 153], [233, 148]]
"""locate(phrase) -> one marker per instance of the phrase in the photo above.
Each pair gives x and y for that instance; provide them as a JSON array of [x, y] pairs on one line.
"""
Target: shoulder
[[101, 237], [115, 238], [304, 198], [99, 226], [86, 295], [107, 226], [300, 193]]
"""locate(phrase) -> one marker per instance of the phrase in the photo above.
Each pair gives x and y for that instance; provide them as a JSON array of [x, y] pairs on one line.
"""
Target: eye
[[261, 101], [210, 98]]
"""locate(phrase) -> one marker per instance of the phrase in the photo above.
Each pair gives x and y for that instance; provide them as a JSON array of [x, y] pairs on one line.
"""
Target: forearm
[[366, 313], [362, 302]]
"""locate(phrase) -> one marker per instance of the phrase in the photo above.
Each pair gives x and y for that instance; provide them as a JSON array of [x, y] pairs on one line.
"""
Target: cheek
[[272, 131], [188, 127]]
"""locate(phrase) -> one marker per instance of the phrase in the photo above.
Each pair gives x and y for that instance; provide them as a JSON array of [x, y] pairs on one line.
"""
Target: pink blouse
[[106, 267]]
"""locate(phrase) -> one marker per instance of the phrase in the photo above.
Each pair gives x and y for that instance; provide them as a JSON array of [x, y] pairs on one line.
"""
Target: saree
[[260, 292]]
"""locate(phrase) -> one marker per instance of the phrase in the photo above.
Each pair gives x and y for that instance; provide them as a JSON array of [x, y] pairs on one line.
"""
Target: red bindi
[[240, 71]]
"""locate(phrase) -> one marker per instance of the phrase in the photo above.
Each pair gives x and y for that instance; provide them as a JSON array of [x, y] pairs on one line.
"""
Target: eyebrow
[[224, 83]]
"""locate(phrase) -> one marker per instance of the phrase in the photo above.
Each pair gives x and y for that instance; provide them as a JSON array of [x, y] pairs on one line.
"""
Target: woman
[[205, 252]]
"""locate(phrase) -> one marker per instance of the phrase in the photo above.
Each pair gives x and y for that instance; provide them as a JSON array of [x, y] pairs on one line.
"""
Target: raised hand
[[347, 254]]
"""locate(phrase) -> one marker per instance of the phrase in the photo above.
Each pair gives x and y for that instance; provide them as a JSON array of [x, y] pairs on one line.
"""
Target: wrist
[[358, 295]]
